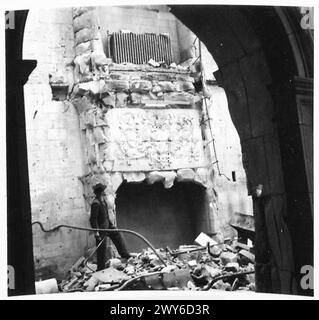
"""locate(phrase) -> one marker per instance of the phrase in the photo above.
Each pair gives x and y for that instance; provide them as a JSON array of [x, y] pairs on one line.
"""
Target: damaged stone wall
[[141, 123], [115, 126], [54, 145]]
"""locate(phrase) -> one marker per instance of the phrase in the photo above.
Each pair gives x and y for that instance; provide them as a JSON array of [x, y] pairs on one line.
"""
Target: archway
[[258, 51]]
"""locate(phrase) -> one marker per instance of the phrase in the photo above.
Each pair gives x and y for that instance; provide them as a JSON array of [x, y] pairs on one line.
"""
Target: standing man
[[99, 219]]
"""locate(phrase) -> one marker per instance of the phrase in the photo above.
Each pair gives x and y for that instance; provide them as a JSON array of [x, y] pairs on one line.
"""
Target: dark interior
[[166, 217]]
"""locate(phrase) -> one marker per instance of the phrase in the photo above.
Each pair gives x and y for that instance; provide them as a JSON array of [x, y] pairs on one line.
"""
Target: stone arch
[[258, 62]]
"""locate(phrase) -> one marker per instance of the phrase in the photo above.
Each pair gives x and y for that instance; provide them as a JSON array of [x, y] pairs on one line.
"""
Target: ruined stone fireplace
[[142, 135]]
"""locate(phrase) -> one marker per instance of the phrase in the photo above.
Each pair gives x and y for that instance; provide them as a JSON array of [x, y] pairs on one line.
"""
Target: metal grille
[[140, 48]]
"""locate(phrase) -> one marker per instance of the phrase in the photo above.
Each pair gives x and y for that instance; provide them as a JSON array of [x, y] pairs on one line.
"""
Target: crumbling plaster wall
[[54, 147]]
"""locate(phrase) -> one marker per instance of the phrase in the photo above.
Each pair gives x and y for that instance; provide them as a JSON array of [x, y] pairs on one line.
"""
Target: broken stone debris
[[190, 267]]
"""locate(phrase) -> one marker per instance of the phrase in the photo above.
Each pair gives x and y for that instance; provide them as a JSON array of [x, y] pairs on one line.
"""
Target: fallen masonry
[[190, 267]]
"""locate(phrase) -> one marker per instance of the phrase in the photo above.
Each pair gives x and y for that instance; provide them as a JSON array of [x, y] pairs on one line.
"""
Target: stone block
[[169, 178], [185, 175], [121, 99], [184, 78], [179, 97], [95, 86], [166, 86], [152, 76], [141, 86], [135, 98], [155, 176], [109, 100], [85, 20], [188, 86], [116, 85], [184, 86], [134, 176], [228, 257], [141, 98], [86, 34], [119, 76], [77, 11], [83, 47]]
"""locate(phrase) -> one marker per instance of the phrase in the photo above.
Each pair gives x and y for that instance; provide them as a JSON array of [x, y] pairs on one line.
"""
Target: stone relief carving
[[143, 140]]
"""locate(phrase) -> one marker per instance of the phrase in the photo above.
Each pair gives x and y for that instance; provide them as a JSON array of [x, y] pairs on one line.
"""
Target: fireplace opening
[[167, 217]]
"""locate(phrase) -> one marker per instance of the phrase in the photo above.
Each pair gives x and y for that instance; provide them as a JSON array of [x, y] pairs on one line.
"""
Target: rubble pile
[[222, 266]]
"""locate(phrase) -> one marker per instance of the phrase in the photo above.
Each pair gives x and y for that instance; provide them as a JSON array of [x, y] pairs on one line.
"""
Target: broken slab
[[167, 177], [91, 283], [110, 275], [185, 175], [46, 286], [134, 176], [202, 239], [244, 246], [141, 86], [155, 176], [248, 255]]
